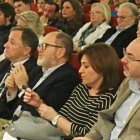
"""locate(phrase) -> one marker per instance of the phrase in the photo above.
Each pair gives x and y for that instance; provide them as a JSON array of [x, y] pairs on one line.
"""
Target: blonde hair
[[33, 21], [106, 10]]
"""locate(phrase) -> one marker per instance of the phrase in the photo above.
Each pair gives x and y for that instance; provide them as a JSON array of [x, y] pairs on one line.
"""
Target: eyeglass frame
[[95, 12], [43, 46], [123, 17], [129, 55]]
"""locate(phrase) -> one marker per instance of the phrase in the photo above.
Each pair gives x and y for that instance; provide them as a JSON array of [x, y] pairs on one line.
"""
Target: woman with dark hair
[[100, 79], [71, 19]]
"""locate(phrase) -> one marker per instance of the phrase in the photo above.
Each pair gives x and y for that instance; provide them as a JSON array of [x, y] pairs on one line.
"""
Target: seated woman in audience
[[100, 80], [100, 15], [71, 19], [31, 19]]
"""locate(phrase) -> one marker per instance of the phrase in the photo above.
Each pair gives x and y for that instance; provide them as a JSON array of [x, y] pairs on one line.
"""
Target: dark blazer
[[70, 27], [122, 40], [5, 64], [30, 65], [54, 90]]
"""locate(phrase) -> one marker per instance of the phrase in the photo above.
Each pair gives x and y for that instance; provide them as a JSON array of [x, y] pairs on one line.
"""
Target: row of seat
[[86, 17]]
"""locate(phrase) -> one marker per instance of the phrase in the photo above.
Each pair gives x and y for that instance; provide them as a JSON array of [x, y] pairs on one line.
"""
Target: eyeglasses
[[123, 17], [129, 55], [95, 12], [43, 46]]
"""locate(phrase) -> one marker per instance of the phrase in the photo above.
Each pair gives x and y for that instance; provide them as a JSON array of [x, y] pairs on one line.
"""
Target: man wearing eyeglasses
[[121, 121], [120, 36], [57, 79]]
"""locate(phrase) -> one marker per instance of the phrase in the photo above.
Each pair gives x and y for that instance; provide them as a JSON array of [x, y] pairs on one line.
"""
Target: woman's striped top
[[82, 109]]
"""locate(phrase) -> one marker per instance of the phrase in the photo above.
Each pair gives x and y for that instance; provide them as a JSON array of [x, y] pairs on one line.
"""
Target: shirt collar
[[133, 85], [50, 70], [20, 62]]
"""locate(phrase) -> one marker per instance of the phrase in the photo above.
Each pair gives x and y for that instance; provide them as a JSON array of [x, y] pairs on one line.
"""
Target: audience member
[[31, 19], [11, 2], [19, 49], [41, 5], [50, 14], [7, 14], [120, 122], [71, 19], [21, 6], [54, 82], [94, 94], [100, 16], [120, 36]]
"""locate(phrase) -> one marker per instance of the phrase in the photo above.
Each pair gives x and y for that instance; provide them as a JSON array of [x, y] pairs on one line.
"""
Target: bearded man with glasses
[[56, 80]]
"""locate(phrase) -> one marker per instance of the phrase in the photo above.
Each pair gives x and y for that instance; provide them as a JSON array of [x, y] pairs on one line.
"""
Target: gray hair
[[134, 9], [106, 10], [65, 41]]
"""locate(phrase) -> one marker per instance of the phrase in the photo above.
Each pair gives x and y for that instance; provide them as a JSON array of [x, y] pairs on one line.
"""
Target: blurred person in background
[[7, 21], [100, 15], [31, 19], [120, 36], [71, 17], [41, 5], [50, 14], [21, 6]]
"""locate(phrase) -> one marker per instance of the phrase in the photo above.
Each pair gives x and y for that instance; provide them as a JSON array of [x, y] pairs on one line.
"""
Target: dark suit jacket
[[54, 90], [122, 40], [30, 65], [5, 64]]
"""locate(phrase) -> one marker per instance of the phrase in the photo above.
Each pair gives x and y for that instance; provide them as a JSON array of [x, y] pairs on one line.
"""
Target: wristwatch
[[55, 119]]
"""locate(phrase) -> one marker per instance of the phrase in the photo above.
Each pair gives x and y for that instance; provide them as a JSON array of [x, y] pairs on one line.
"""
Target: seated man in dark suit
[[119, 37], [58, 80], [18, 50]]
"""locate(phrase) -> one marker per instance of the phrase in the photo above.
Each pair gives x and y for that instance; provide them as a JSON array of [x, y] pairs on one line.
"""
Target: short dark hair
[[24, 1], [104, 61], [8, 11], [64, 40], [28, 37], [55, 4]]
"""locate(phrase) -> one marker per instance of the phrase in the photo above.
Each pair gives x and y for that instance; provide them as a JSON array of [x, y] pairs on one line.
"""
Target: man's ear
[[61, 52], [27, 50]]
